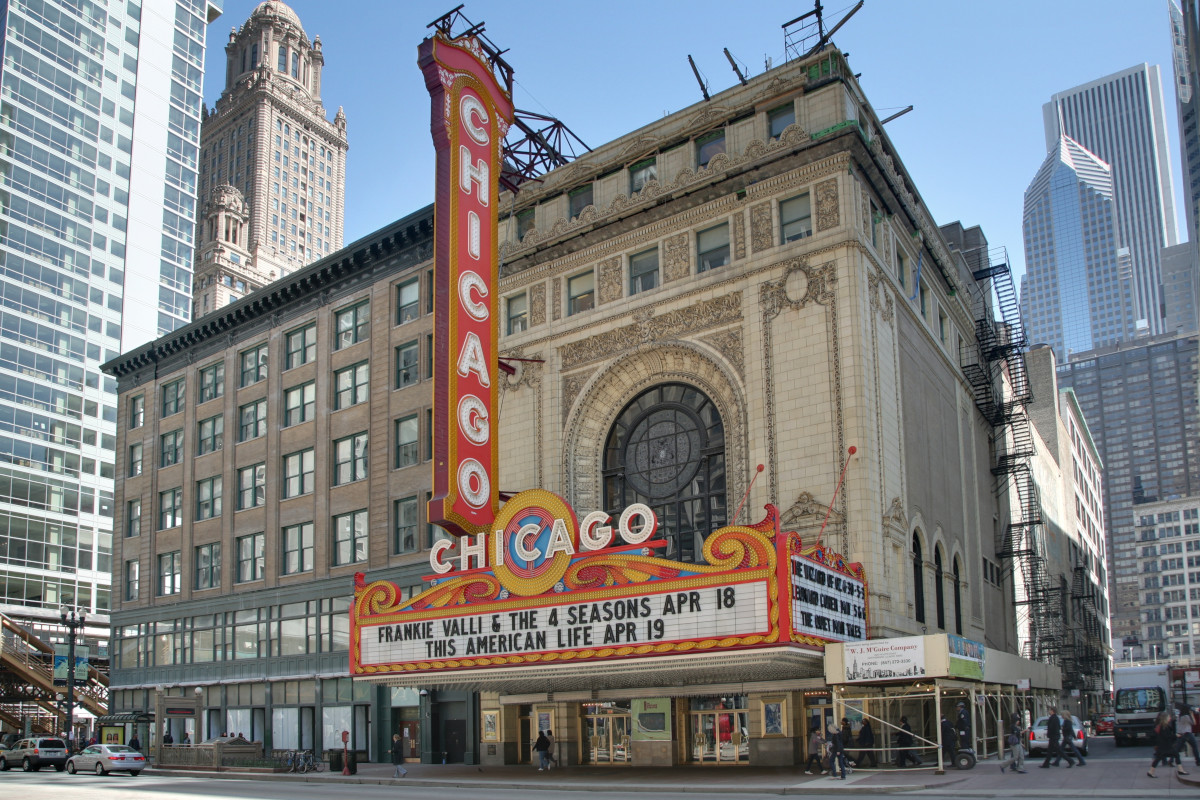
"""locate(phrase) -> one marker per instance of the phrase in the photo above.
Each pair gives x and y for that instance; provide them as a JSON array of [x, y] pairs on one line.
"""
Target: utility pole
[[74, 622]]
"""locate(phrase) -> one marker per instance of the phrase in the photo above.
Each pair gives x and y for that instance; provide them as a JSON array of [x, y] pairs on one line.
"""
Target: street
[[1109, 773]]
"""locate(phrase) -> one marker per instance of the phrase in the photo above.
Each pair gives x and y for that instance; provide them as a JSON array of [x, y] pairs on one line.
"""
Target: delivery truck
[[1140, 693]]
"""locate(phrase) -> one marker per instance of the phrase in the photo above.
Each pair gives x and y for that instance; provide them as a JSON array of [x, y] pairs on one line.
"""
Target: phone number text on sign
[[711, 612]]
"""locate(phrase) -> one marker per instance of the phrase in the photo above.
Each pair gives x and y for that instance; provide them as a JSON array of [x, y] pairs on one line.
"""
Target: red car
[[1104, 724]]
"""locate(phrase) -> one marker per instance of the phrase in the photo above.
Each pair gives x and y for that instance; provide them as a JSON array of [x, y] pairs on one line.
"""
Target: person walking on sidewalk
[[949, 741], [1164, 744], [1053, 733], [816, 746], [398, 756], [1016, 746], [1068, 740], [542, 748], [551, 751], [1185, 727], [837, 753], [866, 741], [904, 743]]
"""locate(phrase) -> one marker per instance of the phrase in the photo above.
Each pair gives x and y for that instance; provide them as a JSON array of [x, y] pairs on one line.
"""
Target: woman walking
[[398, 756], [816, 745], [1016, 746], [1164, 744]]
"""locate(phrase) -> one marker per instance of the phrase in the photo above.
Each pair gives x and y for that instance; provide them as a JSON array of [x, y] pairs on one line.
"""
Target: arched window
[[295, 64], [939, 587], [283, 58], [918, 579], [243, 60], [667, 450], [253, 56], [957, 599]]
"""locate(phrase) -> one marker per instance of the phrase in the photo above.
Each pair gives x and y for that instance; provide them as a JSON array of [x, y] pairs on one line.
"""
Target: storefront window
[[334, 720]]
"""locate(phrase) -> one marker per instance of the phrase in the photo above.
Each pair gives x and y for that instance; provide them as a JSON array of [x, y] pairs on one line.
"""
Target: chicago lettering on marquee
[[471, 113]]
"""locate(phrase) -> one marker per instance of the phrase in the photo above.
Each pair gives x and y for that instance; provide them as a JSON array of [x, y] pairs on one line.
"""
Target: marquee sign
[[470, 117], [542, 588]]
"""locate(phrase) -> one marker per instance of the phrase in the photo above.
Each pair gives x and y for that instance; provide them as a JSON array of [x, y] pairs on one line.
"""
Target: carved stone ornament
[[881, 296], [556, 300], [808, 284], [677, 261], [672, 325], [895, 517], [866, 215], [571, 384], [828, 215], [739, 236], [537, 304], [528, 373], [760, 227], [610, 280], [806, 512], [729, 344]]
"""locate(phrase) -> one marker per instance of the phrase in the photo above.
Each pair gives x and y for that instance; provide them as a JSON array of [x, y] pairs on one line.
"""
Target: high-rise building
[[1185, 39], [1181, 286], [1140, 404], [100, 129], [1120, 118], [1074, 295], [272, 167]]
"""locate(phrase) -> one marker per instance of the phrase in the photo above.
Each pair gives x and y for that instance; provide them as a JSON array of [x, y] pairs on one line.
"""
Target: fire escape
[[994, 364], [1083, 659]]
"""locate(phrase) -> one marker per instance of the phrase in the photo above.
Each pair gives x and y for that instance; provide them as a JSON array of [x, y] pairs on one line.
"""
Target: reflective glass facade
[[99, 129]]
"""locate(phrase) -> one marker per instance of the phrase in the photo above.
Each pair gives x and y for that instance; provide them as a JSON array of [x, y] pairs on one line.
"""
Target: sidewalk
[[1121, 775]]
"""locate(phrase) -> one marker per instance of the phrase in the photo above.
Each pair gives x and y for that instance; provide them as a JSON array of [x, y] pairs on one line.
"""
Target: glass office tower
[[99, 132]]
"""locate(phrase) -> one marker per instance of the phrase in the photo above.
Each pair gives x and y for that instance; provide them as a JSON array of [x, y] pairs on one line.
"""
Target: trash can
[[335, 761], [353, 763]]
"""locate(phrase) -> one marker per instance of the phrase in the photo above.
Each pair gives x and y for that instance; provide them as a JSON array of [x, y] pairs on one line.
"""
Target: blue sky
[[977, 73]]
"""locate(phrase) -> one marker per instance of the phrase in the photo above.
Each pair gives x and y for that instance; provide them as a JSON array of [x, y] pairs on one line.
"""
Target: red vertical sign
[[471, 115]]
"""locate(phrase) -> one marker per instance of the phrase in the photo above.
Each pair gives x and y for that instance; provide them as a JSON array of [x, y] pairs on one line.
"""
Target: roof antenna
[[699, 80], [733, 64]]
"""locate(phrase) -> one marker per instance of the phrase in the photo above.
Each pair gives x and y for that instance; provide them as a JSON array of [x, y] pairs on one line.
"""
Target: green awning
[[133, 716]]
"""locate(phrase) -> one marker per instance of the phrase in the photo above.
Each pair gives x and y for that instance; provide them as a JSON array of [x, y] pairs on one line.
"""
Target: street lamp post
[[74, 622]]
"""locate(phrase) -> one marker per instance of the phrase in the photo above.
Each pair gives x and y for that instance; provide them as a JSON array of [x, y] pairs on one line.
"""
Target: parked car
[[1104, 724], [105, 758], [1037, 736], [33, 754]]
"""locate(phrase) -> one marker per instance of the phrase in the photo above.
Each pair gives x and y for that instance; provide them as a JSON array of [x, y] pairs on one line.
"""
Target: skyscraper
[[1073, 295], [1185, 39], [1120, 118], [99, 143], [272, 167]]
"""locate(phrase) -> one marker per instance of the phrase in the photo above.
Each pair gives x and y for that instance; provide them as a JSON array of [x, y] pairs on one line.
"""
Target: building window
[[133, 518], [172, 397], [957, 599], [250, 566], [525, 220], [137, 411], [283, 58], [429, 356], [210, 435], [350, 538], [795, 219], [301, 346], [298, 548], [212, 382], [779, 118], [135, 460], [407, 366], [901, 267], [299, 404], [581, 292], [709, 145], [641, 173], [408, 301], [350, 459], [352, 325], [518, 313], [941, 326], [712, 247], [208, 566], [405, 513], [254, 365], [406, 441], [252, 486], [208, 498], [924, 302], [643, 271], [578, 199], [131, 580], [170, 449], [169, 566], [351, 385], [252, 420], [939, 587], [918, 571], [667, 450], [298, 473]]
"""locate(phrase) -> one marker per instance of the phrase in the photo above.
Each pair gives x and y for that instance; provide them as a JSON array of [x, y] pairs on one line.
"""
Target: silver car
[[33, 754], [105, 758], [1037, 736]]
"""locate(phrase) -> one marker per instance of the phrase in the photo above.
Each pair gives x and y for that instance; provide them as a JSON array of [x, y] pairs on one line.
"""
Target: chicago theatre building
[[753, 280]]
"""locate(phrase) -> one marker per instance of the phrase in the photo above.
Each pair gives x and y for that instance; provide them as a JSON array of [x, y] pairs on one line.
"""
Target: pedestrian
[[398, 757], [186, 740], [168, 738], [1053, 733], [904, 743], [837, 752], [542, 747], [1164, 743], [816, 747], [551, 751], [866, 743], [1185, 728], [847, 738], [949, 741], [1016, 746], [962, 724], [1068, 740], [136, 743]]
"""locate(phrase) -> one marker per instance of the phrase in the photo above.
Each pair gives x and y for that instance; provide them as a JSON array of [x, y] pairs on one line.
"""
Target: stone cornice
[[240, 99]]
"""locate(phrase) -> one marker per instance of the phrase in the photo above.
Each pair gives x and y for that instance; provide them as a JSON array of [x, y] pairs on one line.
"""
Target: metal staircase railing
[[31, 661]]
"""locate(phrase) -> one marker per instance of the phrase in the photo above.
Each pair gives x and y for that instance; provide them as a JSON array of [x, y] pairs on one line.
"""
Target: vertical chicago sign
[[470, 117]]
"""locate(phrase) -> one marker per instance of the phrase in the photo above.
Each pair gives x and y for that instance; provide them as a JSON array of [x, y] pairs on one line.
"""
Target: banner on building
[[966, 657], [544, 589], [884, 659]]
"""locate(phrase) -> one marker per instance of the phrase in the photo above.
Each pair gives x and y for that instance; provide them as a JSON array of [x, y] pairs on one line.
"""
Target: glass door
[[719, 737], [608, 739]]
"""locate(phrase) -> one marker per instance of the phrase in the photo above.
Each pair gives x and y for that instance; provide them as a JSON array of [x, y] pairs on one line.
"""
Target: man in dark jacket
[[949, 742], [904, 740], [837, 752], [866, 741], [962, 724], [1053, 734], [1068, 740]]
